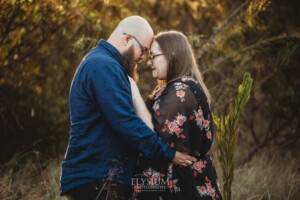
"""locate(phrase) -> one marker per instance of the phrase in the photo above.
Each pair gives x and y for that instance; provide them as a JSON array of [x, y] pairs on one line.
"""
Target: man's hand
[[183, 159]]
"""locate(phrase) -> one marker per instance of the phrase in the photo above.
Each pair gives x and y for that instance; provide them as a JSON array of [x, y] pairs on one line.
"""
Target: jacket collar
[[111, 50]]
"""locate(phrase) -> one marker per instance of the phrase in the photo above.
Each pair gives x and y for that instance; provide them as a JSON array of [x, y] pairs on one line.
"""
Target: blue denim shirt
[[106, 134]]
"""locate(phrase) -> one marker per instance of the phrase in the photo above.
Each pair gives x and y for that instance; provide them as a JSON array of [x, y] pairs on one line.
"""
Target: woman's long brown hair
[[180, 57]]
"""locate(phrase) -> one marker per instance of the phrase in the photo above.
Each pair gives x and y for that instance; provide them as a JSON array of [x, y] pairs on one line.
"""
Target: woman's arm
[[139, 105]]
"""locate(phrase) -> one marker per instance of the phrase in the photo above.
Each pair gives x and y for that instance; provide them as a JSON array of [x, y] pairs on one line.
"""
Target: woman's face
[[157, 62]]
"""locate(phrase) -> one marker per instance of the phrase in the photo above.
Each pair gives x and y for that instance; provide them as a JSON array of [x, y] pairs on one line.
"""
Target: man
[[106, 135]]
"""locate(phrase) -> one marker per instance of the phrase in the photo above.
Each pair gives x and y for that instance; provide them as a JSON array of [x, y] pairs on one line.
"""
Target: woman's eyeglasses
[[151, 57]]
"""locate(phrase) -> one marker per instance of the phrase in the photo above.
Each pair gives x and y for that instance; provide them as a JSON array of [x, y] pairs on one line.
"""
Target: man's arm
[[112, 91]]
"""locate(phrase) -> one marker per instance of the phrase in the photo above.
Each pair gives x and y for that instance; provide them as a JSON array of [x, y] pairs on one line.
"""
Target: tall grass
[[27, 176], [267, 176]]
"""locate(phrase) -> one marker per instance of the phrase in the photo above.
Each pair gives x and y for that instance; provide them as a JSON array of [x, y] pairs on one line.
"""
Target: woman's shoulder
[[184, 79], [182, 83], [180, 88], [177, 86]]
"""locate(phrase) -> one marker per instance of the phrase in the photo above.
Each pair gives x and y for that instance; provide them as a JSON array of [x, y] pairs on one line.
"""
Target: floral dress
[[182, 119]]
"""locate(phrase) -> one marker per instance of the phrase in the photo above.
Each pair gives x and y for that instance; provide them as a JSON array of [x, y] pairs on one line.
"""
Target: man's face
[[141, 45], [136, 53], [141, 50]]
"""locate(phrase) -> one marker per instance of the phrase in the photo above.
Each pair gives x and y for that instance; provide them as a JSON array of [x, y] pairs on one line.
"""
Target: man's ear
[[127, 41]]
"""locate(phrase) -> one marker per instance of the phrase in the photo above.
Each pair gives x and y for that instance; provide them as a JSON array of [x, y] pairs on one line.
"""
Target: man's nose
[[149, 63], [139, 59], [143, 57]]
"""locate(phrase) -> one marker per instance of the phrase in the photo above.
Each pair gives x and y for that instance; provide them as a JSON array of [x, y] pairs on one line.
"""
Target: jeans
[[106, 190]]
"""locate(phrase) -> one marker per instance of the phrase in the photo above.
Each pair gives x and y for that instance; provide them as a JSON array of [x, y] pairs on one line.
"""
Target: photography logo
[[151, 180]]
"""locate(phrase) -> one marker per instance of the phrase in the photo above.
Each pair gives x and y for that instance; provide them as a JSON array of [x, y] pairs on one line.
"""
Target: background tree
[[258, 39]]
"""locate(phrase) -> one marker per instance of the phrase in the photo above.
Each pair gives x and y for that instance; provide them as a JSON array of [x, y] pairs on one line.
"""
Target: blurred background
[[43, 41]]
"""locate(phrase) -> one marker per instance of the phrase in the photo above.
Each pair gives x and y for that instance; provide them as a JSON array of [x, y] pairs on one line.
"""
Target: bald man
[[106, 135]]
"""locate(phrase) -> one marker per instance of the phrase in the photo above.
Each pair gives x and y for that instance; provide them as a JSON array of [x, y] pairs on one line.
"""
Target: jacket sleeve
[[112, 92]]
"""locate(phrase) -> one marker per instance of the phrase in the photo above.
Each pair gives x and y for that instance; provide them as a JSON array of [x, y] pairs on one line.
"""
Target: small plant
[[227, 133]]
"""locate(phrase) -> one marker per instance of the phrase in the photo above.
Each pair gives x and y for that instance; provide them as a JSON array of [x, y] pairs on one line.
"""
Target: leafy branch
[[227, 133]]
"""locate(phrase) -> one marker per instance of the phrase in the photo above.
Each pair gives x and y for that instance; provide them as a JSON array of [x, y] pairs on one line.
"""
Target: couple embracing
[[121, 147]]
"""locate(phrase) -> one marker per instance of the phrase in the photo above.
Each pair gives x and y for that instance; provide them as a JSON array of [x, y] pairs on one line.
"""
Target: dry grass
[[268, 178], [26, 177]]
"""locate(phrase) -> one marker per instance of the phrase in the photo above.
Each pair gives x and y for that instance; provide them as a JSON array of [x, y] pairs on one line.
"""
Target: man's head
[[133, 38]]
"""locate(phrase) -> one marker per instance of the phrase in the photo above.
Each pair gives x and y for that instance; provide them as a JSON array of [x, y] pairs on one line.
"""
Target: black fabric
[[182, 118], [200, 95]]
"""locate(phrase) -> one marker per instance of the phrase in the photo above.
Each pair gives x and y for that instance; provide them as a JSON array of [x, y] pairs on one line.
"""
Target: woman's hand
[[183, 159]]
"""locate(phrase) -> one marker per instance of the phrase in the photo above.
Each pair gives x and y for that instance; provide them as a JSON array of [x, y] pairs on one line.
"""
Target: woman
[[181, 116]]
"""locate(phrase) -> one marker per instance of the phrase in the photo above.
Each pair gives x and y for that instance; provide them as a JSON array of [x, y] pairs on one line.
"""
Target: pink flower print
[[202, 190], [192, 117], [171, 183], [199, 166], [198, 118], [182, 136], [156, 106], [177, 131], [195, 173], [157, 112], [212, 193], [172, 127], [170, 168], [208, 185], [185, 86], [172, 145], [137, 188], [180, 119], [206, 123], [164, 129], [200, 112], [206, 179], [180, 93], [208, 135]]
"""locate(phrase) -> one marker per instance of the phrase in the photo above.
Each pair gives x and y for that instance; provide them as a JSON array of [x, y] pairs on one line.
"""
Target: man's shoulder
[[101, 58], [97, 61]]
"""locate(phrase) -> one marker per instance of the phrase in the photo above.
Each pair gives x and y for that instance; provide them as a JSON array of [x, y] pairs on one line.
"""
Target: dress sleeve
[[171, 116]]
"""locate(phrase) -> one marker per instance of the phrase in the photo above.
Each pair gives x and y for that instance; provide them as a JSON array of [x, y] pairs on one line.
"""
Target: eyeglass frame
[[143, 49], [151, 57]]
